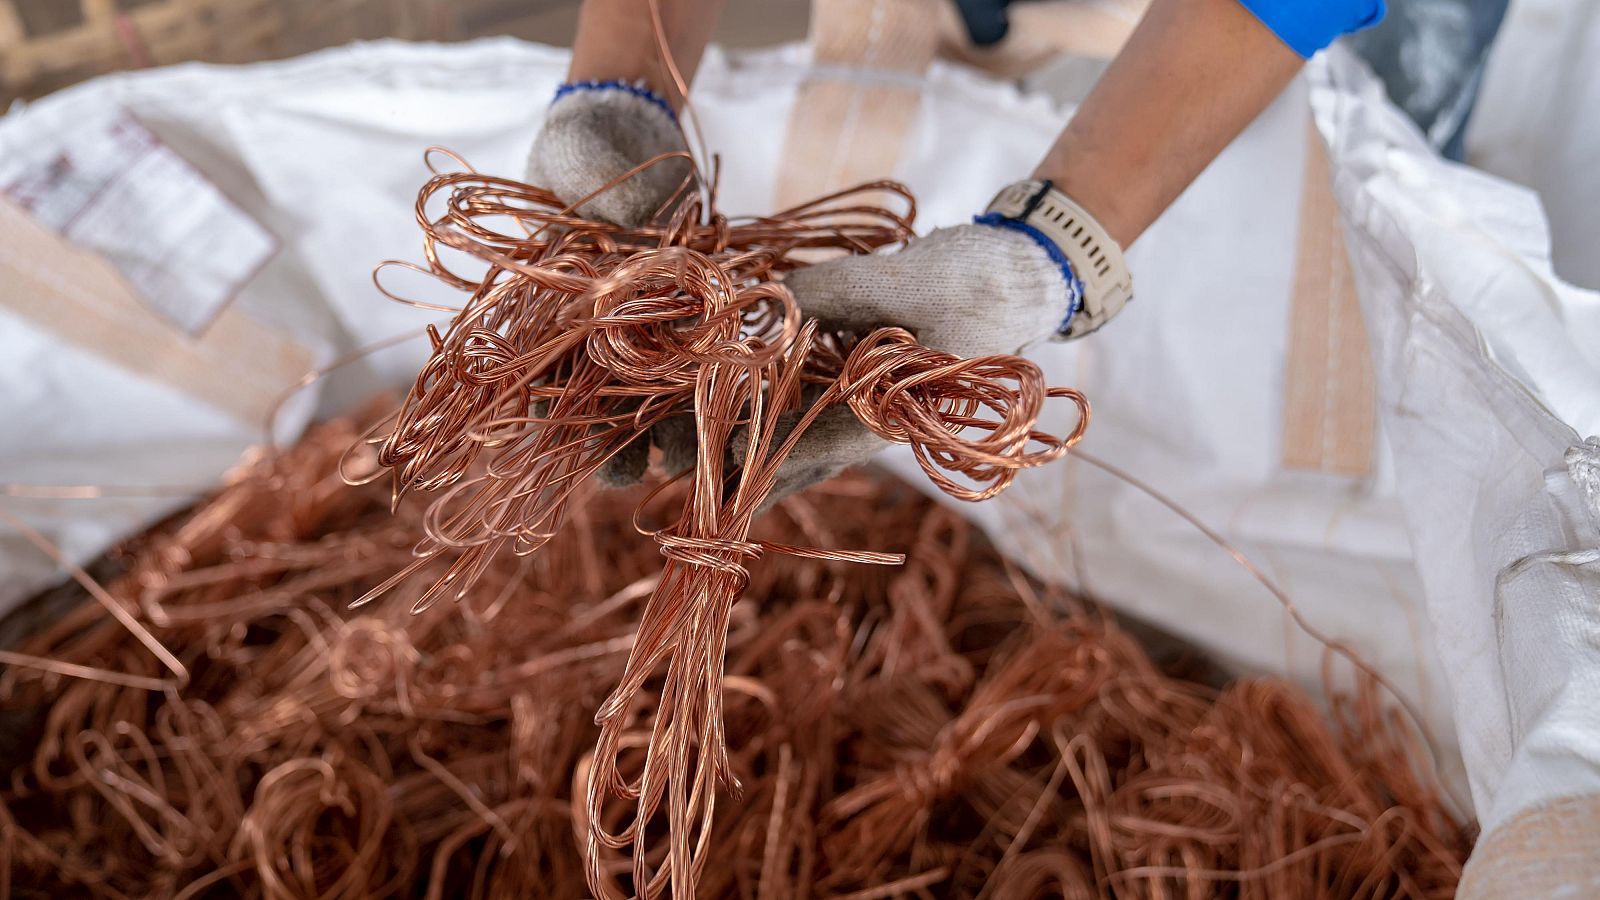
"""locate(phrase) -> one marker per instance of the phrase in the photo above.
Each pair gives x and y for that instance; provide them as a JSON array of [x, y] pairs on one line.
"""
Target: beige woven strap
[[1330, 392], [845, 129], [238, 365], [1548, 851]]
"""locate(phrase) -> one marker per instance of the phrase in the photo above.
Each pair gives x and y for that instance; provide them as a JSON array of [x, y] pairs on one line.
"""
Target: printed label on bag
[[183, 246]]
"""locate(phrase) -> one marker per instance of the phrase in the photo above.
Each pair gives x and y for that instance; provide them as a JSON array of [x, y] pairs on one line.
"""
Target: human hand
[[974, 290], [595, 133], [598, 131]]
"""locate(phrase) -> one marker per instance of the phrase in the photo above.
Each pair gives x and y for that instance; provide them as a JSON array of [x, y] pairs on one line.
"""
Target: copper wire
[[577, 339], [921, 730], [875, 750], [218, 724]]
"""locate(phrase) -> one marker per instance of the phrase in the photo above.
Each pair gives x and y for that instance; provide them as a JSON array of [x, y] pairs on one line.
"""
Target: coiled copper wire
[[937, 729], [580, 337]]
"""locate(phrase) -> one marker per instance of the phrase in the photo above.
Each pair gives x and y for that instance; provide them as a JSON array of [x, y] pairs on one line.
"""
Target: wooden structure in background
[[49, 44], [46, 45]]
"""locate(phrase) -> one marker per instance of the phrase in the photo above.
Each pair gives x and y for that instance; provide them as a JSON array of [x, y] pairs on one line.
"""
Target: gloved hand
[[597, 131], [971, 290]]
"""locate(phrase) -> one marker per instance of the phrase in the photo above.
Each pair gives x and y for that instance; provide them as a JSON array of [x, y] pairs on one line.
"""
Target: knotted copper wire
[[579, 337]]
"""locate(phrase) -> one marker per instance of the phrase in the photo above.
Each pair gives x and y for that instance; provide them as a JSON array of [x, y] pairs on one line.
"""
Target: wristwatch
[[1104, 285]]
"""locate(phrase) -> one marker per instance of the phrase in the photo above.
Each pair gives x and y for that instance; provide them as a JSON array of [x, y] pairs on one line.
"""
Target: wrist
[[1106, 193], [592, 87], [618, 40]]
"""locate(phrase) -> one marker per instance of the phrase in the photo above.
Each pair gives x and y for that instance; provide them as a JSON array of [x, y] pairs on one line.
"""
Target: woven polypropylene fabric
[[1547, 851]]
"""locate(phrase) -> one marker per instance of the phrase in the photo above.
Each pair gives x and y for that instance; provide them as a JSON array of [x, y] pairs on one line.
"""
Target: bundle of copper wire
[[218, 722], [576, 338]]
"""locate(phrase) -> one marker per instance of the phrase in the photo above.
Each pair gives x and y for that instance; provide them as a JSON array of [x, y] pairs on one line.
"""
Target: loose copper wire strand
[[1334, 647], [180, 675]]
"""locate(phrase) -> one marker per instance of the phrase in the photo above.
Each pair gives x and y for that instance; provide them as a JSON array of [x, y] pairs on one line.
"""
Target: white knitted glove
[[972, 290], [595, 132]]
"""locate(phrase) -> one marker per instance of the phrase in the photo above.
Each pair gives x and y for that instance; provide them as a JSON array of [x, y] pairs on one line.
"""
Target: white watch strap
[[1096, 260]]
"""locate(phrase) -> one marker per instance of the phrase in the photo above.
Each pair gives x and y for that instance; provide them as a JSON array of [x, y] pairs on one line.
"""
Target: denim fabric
[[1430, 55]]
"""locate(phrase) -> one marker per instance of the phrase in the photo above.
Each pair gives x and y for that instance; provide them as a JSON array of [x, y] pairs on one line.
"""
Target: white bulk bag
[[1489, 376], [1390, 536]]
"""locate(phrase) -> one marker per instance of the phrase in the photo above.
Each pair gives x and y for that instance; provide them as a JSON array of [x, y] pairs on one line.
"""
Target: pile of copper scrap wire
[[945, 728], [577, 337]]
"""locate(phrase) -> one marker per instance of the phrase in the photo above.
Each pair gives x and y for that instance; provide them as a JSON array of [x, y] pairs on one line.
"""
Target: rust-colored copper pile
[[938, 729]]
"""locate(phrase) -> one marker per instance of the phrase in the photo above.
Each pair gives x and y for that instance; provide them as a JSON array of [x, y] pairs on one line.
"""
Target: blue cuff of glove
[[1074, 283], [637, 90], [1310, 25]]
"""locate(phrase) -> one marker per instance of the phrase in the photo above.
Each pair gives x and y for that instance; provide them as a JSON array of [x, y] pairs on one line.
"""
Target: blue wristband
[[1074, 283], [637, 90]]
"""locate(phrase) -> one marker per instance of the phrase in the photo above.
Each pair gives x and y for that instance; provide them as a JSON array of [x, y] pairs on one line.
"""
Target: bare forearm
[[616, 41], [1191, 77]]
